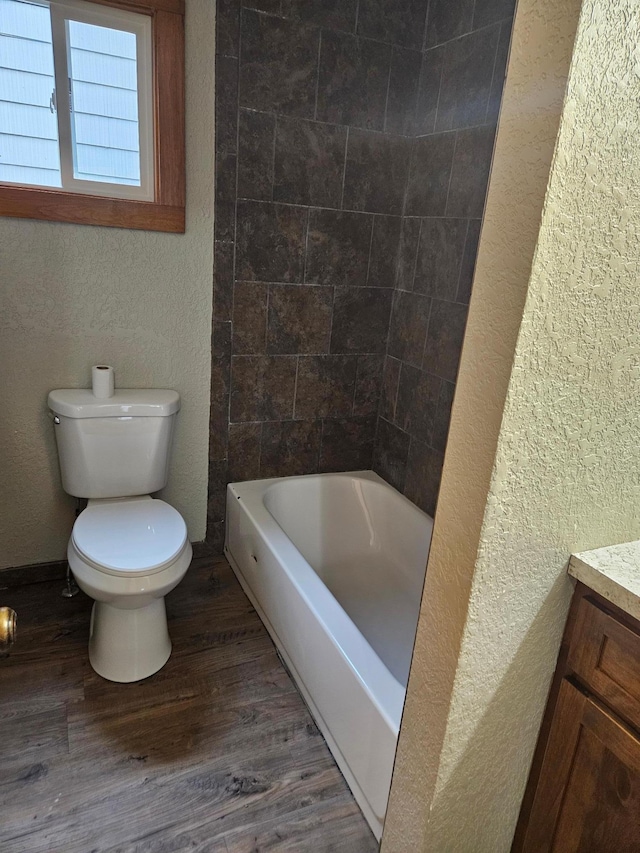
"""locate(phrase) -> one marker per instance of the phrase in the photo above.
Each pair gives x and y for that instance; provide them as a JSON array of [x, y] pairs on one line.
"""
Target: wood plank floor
[[216, 753]]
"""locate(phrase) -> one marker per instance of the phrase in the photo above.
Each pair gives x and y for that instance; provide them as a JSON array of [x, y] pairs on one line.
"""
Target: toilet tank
[[115, 447]]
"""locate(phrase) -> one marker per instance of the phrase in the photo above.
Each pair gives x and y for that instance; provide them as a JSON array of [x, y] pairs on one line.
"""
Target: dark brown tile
[[219, 410], [403, 91], [428, 184], [215, 538], [335, 14], [399, 22], [270, 242], [217, 492], [408, 327], [448, 19], [368, 384], [376, 172], [221, 339], [262, 387], [347, 445], [299, 318], [225, 218], [499, 72], [443, 416], [226, 104], [470, 172], [489, 11], [407, 253], [225, 177], [360, 320], [429, 90], [442, 243], [309, 162], [390, 454], [290, 448], [250, 318], [278, 65], [417, 402], [466, 79], [255, 155], [389, 393], [444, 339], [353, 80], [383, 262], [338, 247], [325, 386], [227, 27], [272, 7], [223, 280], [468, 261], [424, 472], [244, 452]]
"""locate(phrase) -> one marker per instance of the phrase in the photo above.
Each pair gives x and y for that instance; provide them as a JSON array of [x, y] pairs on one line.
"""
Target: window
[[91, 112]]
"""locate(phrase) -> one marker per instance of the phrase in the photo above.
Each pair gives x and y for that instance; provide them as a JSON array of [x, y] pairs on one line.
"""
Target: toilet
[[127, 549]]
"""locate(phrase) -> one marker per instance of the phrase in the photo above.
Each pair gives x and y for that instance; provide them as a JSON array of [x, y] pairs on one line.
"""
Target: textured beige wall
[[72, 296], [522, 485]]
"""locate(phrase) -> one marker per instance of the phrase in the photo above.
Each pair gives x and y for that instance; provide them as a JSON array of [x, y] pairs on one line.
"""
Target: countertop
[[613, 572]]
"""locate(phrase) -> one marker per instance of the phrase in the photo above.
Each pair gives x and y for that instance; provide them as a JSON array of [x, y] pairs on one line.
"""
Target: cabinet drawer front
[[605, 655]]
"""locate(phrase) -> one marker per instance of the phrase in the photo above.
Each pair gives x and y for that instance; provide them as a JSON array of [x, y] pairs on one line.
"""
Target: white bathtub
[[334, 564]]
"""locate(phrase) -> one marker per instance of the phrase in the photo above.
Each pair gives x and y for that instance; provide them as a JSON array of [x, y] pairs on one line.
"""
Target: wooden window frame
[[166, 212]]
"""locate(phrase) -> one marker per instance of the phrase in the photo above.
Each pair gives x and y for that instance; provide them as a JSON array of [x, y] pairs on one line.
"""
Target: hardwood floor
[[216, 753]]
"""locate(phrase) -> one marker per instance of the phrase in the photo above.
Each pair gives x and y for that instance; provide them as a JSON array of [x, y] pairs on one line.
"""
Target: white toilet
[[127, 550]]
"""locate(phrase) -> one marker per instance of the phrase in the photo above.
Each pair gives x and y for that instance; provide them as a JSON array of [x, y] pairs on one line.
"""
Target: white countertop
[[613, 572]]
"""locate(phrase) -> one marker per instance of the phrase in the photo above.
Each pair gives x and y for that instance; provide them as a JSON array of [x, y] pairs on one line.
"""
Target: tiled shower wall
[[461, 85], [339, 233]]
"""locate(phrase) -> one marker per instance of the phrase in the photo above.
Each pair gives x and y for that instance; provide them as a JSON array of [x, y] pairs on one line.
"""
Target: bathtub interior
[[369, 546]]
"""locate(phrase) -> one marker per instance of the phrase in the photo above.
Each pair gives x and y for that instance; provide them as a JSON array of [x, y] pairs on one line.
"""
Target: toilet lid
[[130, 536]]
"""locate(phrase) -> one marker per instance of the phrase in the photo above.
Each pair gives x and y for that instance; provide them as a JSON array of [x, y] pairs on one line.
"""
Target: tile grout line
[[366, 278], [426, 336], [464, 252], [401, 364], [344, 171], [415, 260], [295, 388], [424, 48], [333, 310], [260, 447], [453, 157], [350, 32], [306, 253], [369, 212], [273, 158], [493, 73], [266, 320], [235, 249], [315, 105], [386, 99]]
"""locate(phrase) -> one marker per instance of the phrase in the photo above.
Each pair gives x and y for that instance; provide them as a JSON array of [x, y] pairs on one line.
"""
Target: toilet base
[[128, 645]]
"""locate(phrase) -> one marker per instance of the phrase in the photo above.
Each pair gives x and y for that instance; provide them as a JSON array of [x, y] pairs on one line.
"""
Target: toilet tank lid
[[131, 402]]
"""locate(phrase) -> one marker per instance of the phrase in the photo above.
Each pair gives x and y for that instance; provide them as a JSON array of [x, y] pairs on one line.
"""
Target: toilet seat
[[130, 537]]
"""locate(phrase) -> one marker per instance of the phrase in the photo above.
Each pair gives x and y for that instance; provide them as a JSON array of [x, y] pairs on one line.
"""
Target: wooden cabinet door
[[588, 797]]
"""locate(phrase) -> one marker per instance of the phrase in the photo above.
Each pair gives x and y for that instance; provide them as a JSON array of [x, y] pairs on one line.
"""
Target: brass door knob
[[8, 626]]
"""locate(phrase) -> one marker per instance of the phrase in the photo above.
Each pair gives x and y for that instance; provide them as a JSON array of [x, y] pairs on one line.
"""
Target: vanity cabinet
[[583, 794]]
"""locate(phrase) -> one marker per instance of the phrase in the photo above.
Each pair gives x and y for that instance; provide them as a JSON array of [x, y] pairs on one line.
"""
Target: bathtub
[[334, 564]]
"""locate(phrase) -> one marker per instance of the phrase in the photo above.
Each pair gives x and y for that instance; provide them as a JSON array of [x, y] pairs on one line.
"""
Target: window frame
[[167, 211]]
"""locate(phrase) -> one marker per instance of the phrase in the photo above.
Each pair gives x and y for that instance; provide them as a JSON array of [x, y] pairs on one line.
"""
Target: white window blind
[[75, 98]]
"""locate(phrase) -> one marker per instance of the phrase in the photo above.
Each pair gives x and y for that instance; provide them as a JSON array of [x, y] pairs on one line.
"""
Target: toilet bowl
[[127, 554]]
